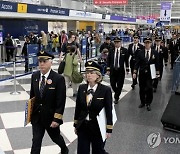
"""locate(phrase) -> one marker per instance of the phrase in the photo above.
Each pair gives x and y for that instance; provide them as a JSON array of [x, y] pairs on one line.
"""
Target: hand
[[80, 61], [157, 75], [134, 76], [54, 124], [75, 131], [108, 135]]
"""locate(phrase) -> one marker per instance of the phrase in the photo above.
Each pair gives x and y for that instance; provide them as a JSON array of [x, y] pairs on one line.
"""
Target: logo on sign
[[154, 140]]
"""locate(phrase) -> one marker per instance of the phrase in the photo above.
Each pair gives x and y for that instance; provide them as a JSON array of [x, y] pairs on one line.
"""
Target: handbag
[[62, 66], [77, 77]]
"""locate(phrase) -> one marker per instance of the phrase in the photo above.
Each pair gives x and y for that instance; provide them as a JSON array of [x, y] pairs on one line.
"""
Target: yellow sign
[[22, 8]]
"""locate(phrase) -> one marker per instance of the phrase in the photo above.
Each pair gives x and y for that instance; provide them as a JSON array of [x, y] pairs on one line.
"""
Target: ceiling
[[137, 8]]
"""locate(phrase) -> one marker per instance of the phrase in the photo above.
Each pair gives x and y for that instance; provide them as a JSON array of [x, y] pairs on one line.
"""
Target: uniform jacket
[[143, 64], [51, 106], [174, 47], [134, 54], [123, 59], [101, 98], [163, 55]]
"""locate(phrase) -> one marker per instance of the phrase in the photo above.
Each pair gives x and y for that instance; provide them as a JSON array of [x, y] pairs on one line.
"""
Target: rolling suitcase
[[170, 118]]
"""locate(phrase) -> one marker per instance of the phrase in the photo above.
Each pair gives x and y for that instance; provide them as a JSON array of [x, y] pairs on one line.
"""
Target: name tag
[[51, 87], [100, 98]]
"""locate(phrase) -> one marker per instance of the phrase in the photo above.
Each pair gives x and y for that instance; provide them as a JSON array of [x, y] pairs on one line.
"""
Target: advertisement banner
[[165, 12], [110, 2], [32, 50]]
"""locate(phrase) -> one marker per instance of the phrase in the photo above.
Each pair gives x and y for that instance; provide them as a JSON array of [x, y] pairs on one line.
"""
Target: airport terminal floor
[[132, 133]]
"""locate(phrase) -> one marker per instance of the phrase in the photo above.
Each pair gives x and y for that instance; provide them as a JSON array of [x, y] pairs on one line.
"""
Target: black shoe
[[154, 90], [116, 101], [66, 151], [148, 108], [133, 86], [141, 105]]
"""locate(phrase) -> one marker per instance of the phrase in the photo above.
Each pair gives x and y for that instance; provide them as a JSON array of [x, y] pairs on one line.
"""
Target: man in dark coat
[[145, 59], [49, 91], [117, 58], [133, 51], [163, 59], [108, 45], [174, 49]]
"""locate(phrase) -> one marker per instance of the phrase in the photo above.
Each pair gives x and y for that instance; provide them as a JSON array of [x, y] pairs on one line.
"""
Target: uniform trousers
[[117, 81], [156, 81], [38, 131], [89, 133], [145, 87], [132, 63]]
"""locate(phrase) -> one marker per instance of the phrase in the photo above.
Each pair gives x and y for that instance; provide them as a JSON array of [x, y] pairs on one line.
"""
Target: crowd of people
[[49, 88]]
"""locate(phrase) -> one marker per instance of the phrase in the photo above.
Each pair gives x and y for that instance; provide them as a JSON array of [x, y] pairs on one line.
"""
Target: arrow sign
[[165, 12]]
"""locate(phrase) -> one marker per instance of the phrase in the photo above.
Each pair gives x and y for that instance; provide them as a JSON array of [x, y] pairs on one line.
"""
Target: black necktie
[[42, 86], [90, 91], [147, 55], [116, 59], [134, 48]]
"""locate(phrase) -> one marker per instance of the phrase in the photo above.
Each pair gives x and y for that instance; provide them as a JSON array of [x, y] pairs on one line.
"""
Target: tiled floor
[[130, 132], [14, 137]]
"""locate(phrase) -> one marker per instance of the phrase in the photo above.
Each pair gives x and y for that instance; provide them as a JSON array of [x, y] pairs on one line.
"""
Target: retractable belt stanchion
[[15, 90]]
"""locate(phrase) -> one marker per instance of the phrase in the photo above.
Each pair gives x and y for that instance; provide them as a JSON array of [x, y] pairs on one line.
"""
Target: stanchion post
[[15, 90]]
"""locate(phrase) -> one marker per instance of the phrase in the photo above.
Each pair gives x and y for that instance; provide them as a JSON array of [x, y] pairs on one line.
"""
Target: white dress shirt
[[46, 76]]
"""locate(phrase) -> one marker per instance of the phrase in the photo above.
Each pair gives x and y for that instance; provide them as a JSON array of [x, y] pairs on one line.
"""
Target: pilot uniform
[[133, 51], [144, 59], [163, 58], [117, 58], [48, 106], [89, 103]]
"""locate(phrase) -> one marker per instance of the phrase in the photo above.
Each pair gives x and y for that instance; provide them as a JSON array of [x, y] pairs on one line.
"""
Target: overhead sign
[[121, 18], [8, 6], [30, 8], [47, 10], [74, 13], [110, 2], [22, 8], [150, 21], [165, 14]]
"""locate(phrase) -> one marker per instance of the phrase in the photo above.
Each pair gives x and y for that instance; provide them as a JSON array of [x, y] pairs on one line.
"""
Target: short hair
[[73, 48]]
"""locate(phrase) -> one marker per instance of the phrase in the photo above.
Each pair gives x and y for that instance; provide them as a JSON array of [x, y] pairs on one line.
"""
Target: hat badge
[[42, 52], [89, 63]]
